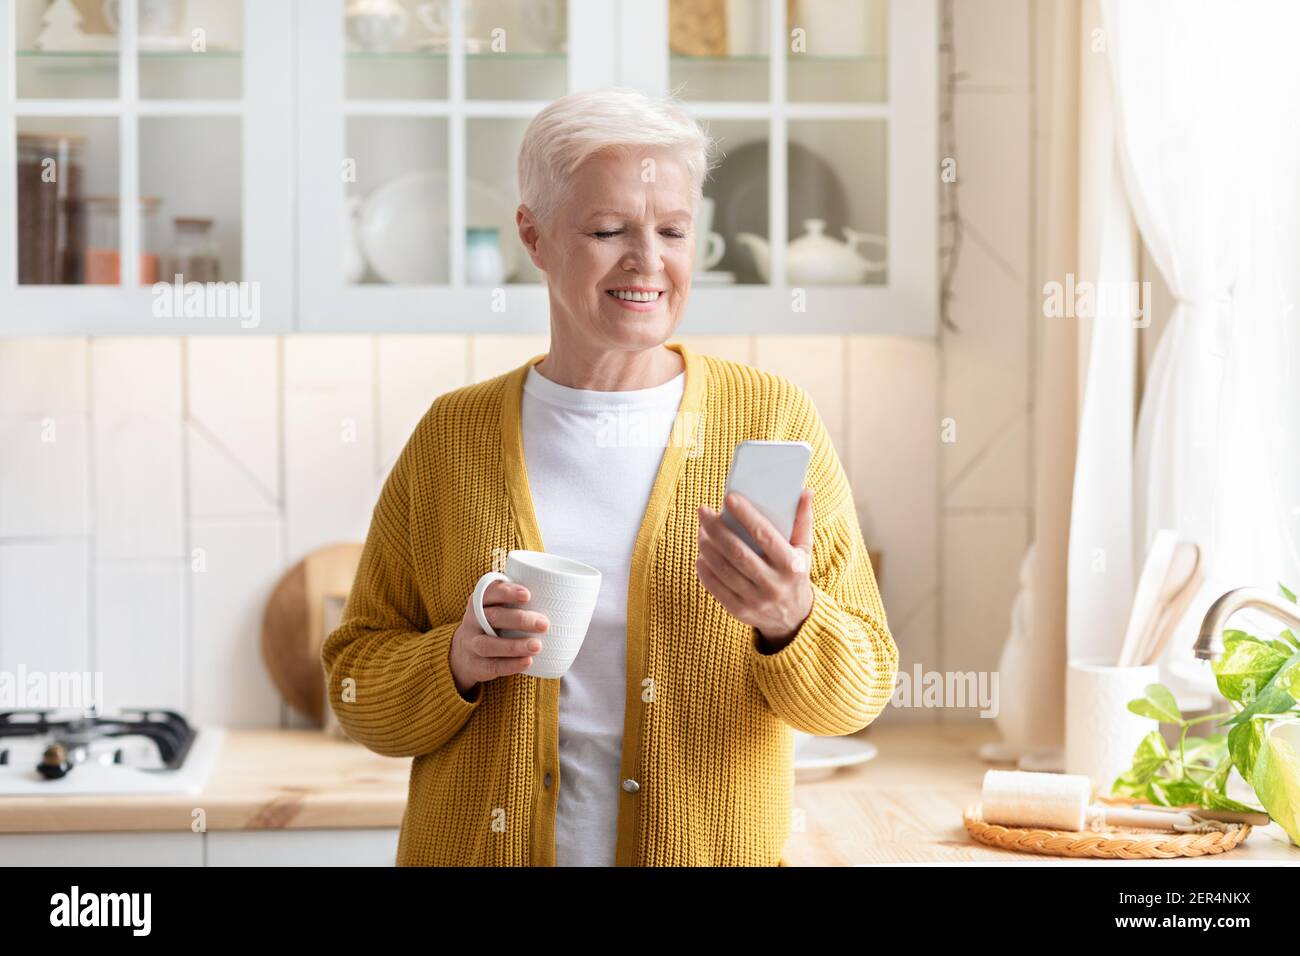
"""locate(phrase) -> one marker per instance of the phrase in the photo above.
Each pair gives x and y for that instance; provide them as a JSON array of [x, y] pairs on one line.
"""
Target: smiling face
[[618, 252]]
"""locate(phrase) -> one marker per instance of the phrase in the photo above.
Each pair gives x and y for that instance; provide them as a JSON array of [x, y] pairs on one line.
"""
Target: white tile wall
[[137, 480], [985, 511], [152, 491], [220, 461], [44, 605]]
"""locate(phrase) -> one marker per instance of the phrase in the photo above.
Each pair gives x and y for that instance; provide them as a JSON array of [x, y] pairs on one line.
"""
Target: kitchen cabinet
[[342, 847], [375, 846], [145, 149], [333, 173], [827, 113], [101, 849]]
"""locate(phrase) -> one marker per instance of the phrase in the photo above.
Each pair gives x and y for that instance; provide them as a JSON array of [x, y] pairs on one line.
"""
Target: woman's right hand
[[478, 656]]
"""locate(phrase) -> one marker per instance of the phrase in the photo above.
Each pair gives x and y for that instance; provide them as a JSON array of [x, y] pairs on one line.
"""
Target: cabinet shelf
[[111, 56], [438, 56], [727, 59]]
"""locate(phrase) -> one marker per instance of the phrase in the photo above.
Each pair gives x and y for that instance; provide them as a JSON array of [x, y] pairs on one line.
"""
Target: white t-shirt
[[592, 458]]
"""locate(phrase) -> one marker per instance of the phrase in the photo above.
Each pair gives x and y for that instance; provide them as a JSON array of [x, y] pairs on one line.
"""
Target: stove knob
[[54, 763]]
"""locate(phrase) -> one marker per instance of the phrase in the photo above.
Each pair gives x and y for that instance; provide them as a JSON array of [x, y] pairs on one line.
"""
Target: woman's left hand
[[772, 593]]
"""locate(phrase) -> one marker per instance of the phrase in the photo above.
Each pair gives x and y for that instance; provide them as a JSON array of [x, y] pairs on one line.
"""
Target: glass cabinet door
[[411, 160], [825, 143], [144, 133]]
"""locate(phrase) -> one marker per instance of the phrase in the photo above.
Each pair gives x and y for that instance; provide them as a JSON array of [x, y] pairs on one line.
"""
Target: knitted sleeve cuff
[[457, 705], [836, 674], [403, 700]]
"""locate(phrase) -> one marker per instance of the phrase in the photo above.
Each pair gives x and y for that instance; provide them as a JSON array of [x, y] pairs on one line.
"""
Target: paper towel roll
[[1026, 799], [1101, 733]]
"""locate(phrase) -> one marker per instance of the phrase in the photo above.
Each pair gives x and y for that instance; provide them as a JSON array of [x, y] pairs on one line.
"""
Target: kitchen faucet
[[1209, 645]]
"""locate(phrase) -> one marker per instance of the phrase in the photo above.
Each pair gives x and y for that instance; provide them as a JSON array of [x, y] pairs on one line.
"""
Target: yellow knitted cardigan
[[707, 776]]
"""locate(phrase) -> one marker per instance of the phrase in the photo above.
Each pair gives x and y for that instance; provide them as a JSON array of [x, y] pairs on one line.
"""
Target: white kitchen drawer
[[145, 848], [375, 846]]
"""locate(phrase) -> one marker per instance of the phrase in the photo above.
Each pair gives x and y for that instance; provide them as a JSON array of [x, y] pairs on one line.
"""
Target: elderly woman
[[668, 741]]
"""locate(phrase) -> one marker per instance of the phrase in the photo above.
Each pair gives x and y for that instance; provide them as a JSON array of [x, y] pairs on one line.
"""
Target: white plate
[[403, 232], [817, 757]]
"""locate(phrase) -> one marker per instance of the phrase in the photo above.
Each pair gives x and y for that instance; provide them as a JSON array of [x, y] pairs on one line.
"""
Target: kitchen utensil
[[740, 194], [293, 628], [1146, 599], [1255, 819], [1101, 733], [561, 588], [403, 227], [1061, 801], [1185, 568]]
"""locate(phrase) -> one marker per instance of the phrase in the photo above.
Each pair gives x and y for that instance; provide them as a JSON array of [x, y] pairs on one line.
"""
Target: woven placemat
[[1105, 843]]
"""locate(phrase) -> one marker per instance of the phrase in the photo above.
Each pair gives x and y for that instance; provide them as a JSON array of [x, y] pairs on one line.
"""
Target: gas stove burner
[[163, 739]]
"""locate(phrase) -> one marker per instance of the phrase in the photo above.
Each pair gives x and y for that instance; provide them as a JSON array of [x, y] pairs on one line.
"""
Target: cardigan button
[[631, 786]]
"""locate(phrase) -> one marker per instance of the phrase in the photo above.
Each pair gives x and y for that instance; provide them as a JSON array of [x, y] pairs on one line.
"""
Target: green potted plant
[[1259, 735]]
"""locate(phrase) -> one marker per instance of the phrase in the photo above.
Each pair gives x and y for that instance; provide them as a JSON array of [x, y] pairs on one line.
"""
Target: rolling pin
[[1061, 801]]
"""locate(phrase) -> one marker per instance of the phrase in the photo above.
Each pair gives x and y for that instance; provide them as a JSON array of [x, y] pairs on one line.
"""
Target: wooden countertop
[[903, 807], [263, 779]]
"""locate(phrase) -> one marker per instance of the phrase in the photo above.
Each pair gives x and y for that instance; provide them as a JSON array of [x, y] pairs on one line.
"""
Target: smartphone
[[770, 474]]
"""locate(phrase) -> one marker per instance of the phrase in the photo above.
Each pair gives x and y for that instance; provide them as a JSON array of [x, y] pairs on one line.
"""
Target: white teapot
[[817, 259]]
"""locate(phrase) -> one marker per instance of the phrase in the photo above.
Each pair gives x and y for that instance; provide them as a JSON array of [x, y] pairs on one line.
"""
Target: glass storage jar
[[50, 227], [194, 251], [102, 256]]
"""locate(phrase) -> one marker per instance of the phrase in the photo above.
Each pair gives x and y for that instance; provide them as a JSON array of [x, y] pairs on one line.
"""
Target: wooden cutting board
[[294, 625]]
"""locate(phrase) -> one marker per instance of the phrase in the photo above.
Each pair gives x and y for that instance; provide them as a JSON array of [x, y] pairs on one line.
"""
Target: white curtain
[[1199, 103], [1101, 555]]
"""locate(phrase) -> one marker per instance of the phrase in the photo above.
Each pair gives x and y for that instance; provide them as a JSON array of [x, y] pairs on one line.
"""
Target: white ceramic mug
[[561, 588], [1101, 733]]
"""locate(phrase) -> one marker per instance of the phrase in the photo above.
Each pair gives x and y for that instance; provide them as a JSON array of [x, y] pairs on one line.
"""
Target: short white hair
[[617, 118]]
